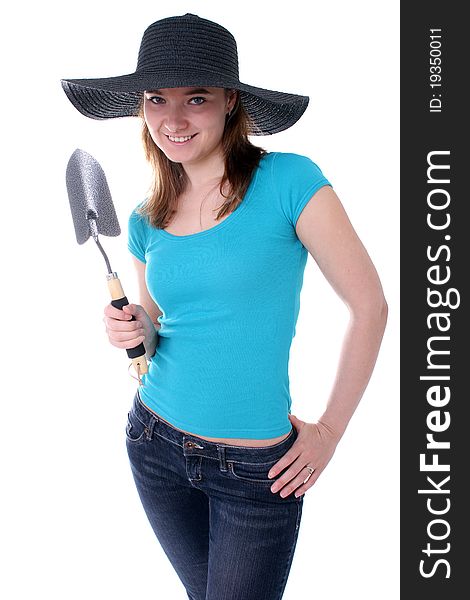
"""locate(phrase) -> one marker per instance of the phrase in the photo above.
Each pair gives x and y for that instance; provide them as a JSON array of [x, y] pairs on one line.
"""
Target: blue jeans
[[226, 534]]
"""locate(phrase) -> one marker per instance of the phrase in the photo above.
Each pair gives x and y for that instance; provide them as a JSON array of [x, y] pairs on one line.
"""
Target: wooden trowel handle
[[119, 300]]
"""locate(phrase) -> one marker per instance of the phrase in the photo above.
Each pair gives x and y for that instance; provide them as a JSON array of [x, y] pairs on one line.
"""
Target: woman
[[220, 246]]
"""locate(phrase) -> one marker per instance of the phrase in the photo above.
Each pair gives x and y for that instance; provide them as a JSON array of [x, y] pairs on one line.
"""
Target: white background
[[73, 525]]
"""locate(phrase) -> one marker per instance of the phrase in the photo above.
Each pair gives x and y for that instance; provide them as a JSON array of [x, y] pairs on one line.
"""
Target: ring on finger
[[310, 473]]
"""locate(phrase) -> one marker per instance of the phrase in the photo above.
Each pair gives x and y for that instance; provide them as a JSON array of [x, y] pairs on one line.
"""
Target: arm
[[150, 323], [325, 230]]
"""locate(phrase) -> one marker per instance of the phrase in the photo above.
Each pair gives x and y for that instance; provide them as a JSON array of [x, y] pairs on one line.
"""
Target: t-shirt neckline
[[231, 217]]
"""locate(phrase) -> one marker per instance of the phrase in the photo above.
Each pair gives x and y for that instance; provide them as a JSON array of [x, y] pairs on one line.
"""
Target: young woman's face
[[187, 123]]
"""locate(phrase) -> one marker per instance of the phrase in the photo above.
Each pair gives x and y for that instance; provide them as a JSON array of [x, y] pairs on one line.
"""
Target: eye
[[156, 98], [198, 98]]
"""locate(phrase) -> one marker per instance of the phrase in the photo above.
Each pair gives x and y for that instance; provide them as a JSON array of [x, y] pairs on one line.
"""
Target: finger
[[116, 313], [287, 477], [122, 336], [131, 309], [289, 457], [125, 336], [125, 312], [131, 343], [295, 421], [302, 489], [120, 325], [297, 484]]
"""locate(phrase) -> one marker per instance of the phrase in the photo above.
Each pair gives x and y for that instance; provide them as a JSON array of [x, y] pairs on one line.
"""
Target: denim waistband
[[193, 444]]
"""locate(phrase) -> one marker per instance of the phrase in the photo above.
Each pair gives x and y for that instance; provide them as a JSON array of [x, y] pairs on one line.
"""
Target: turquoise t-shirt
[[230, 297]]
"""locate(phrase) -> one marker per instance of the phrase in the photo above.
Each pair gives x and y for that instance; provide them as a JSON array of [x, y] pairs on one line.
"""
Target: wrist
[[332, 429]]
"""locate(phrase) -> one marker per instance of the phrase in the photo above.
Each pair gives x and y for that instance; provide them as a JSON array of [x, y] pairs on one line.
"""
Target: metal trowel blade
[[89, 197]]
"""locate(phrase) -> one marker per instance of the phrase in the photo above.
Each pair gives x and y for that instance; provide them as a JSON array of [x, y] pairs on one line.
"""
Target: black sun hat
[[184, 51]]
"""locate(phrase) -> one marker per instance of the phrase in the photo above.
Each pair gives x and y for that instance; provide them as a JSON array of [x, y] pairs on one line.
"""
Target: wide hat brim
[[112, 97]]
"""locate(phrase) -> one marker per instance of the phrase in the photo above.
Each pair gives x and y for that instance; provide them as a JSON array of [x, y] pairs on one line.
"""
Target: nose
[[175, 121]]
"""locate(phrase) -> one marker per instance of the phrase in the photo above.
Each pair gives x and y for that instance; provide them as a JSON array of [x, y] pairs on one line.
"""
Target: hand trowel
[[93, 213]]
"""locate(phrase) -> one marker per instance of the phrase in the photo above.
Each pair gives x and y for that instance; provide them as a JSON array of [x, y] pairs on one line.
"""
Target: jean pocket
[[255, 472], [135, 429]]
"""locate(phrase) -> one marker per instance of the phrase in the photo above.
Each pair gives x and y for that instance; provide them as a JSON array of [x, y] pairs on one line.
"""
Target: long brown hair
[[241, 157]]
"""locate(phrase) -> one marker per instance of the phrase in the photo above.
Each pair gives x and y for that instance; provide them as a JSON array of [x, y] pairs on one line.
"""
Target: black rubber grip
[[140, 349]]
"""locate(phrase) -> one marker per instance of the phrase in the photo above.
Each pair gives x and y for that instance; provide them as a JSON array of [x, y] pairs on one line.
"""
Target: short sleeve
[[295, 178], [137, 235]]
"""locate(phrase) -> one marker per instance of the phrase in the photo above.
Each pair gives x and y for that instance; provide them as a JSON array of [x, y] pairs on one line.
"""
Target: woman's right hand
[[124, 333]]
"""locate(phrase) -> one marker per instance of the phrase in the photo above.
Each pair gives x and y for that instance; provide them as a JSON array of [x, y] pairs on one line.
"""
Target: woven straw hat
[[184, 51]]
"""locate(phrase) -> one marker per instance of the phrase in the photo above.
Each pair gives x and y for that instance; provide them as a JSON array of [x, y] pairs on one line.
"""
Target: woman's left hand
[[314, 446]]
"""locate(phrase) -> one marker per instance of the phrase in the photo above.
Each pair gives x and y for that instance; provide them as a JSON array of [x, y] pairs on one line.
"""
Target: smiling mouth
[[180, 139]]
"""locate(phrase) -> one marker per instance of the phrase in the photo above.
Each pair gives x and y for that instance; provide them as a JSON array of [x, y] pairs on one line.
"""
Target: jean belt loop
[[149, 429], [222, 462]]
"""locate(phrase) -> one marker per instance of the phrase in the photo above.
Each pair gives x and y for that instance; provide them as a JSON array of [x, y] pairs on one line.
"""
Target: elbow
[[381, 307], [373, 308], [383, 313]]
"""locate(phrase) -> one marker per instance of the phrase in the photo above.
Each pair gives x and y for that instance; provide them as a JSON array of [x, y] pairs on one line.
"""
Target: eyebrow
[[190, 93]]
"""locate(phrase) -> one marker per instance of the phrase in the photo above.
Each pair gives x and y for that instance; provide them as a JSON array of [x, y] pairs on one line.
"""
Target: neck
[[205, 173]]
